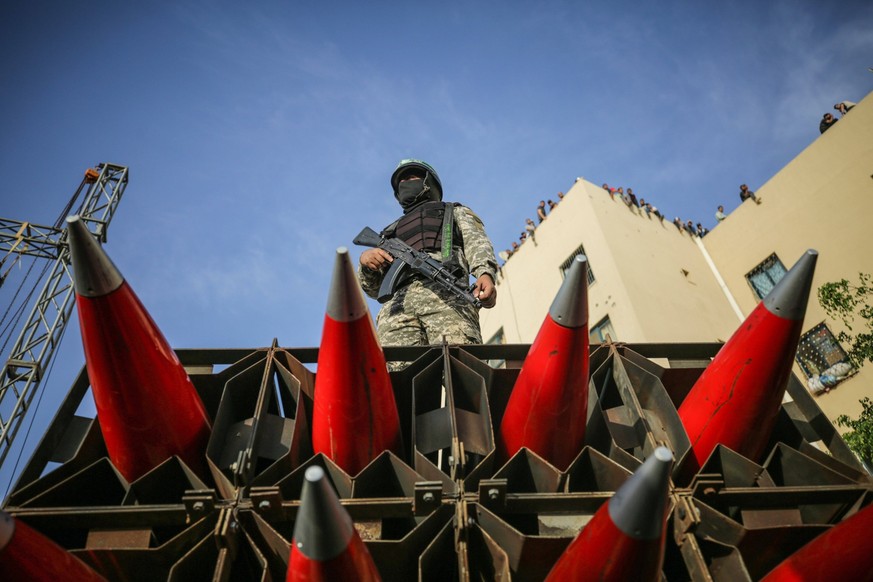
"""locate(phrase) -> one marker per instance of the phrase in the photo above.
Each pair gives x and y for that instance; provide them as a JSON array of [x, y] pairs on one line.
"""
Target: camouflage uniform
[[422, 312]]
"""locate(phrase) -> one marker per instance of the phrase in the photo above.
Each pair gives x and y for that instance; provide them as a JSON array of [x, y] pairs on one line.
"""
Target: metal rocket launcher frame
[[469, 518], [448, 507]]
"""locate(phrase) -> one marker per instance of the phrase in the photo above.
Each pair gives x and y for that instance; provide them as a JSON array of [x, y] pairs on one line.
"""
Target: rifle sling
[[448, 229]]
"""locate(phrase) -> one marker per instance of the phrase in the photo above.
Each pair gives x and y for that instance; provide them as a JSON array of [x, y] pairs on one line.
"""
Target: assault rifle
[[406, 258]]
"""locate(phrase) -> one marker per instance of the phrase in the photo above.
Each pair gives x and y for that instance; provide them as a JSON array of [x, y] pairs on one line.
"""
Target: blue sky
[[260, 136]]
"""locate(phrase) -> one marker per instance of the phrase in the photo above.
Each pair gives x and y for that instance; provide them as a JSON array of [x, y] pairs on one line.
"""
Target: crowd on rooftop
[[640, 205], [545, 207], [828, 119], [628, 197]]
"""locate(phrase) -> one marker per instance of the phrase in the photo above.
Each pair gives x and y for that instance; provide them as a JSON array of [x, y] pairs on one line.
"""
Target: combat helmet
[[432, 179]]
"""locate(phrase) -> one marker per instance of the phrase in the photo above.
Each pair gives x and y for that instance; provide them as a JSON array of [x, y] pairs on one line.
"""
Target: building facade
[[651, 282]]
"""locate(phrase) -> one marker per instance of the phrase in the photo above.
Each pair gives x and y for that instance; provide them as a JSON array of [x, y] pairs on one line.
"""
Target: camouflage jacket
[[476, 255]]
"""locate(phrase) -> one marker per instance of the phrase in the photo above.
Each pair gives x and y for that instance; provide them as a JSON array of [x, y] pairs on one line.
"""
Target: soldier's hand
[[485, 291], [375, 259]]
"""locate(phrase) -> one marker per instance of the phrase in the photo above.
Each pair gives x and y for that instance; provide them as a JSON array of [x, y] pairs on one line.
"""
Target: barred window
[[819, 350], [498, 338], [565, 266], [765, 276], [823, 359], [602, 332]]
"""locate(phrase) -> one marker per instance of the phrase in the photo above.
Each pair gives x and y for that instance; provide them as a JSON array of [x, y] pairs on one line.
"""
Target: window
[[499, 338], [765, 276], [602, 332], [565, 266], [823, 359]]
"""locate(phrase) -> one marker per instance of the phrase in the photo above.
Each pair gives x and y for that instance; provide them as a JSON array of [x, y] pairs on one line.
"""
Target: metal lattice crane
[[33, 350]]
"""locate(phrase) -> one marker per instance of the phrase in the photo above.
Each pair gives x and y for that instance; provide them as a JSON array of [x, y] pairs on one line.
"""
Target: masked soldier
[[421, 312]]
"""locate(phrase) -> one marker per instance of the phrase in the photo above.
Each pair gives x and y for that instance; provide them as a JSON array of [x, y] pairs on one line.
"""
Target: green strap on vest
[[448, 227]]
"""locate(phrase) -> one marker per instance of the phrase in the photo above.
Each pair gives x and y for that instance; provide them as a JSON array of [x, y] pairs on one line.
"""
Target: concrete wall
[[650, 278], [823, 199], [655, 283]]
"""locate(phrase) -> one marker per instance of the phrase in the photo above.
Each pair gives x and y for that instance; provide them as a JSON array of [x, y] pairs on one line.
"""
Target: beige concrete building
[[650, 282]]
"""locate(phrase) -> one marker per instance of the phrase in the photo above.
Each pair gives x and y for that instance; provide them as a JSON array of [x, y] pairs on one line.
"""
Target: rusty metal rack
[[445, 510]]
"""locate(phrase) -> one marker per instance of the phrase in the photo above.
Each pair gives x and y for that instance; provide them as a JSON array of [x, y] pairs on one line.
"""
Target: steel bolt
[[198, 506], [427, 497], [493, 494], [264, 504]]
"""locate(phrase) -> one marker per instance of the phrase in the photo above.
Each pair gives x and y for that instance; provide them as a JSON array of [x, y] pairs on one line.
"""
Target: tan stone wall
[[639, 264], [823, 199]]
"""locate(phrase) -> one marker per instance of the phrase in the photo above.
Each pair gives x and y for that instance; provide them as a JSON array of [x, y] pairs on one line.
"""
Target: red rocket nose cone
[[28, 556], [326, 546], [844, 552], [736, 400], [7, 529], [637, 508], [354, 416], [345, 300], [94, 274], [548, 407], [148, 408], [625, 538]]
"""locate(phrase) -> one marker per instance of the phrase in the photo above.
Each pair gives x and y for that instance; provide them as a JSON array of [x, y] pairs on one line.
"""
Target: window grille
[[765, 276], [499, 338], [565, 266], [819, 351], [602, 332]]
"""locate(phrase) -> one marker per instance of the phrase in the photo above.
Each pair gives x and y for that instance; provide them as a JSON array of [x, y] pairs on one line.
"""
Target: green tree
[[847, 302], [851, 304], [860, 438]]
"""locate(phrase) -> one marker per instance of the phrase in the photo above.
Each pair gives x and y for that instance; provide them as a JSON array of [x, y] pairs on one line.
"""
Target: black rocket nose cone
[[345, 300], [570, 306], [323, 528], [789, 297], [637, 508], [94, 274]]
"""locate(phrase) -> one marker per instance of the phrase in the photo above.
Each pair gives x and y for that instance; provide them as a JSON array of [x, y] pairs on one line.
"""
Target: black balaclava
[[411, 193]]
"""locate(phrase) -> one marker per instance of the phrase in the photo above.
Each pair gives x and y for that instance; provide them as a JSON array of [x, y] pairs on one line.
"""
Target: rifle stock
[[368, 238]]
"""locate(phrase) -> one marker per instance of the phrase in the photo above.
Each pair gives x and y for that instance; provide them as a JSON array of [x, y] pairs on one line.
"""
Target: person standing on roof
[[420, 312]]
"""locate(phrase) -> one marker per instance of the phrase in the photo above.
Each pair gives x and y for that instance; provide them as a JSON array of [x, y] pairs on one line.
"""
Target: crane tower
[[32, 352]]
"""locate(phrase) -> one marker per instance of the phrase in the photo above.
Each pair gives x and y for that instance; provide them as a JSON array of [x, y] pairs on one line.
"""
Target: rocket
[[736, 400], [355, 415], [147, 407], [844, 552], [28, 556], [325, 545], [625, 538], [547, 409]]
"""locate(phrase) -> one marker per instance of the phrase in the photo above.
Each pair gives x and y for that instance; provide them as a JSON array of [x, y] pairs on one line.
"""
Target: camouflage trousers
[[421, 314]]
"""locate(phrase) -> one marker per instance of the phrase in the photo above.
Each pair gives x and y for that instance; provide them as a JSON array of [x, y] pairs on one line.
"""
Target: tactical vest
[[422, 228]]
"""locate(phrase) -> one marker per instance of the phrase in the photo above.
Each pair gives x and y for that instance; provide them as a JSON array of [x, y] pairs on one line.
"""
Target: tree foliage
[[849, 303], [860, 438]]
